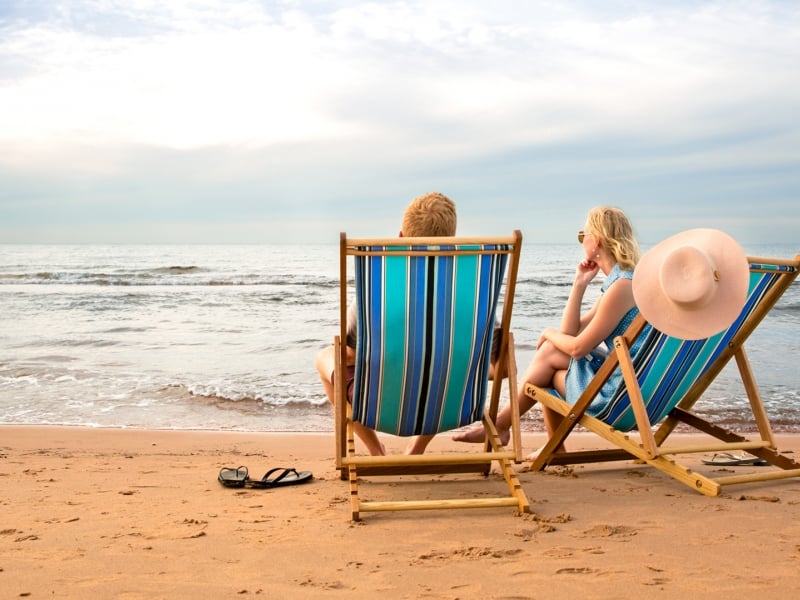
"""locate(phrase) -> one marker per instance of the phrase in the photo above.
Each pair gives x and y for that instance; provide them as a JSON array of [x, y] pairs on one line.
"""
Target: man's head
[[430, 215]]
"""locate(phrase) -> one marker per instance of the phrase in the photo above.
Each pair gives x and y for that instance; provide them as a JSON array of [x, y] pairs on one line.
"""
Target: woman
[[567, 358]]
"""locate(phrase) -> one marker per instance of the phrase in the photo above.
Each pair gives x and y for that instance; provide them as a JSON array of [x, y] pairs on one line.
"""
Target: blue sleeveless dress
[[582, 370]]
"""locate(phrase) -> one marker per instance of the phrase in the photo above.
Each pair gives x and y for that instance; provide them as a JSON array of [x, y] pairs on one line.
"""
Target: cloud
[[246, 109]]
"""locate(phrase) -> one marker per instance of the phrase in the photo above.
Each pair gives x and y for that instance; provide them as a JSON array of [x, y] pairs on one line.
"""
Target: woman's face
[[587, 236], [589, 242]]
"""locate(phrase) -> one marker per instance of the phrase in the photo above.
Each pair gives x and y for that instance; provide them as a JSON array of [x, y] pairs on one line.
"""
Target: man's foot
[[477, 435]]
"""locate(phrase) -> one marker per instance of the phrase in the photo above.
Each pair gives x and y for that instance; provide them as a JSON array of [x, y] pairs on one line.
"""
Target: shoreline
[[138, 513]]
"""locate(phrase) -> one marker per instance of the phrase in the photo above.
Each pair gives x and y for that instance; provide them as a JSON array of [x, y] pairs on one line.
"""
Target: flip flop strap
[[285, 472], [235, 471]]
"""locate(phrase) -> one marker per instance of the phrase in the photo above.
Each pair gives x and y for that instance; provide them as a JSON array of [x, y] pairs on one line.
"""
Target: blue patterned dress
[[582, 370]]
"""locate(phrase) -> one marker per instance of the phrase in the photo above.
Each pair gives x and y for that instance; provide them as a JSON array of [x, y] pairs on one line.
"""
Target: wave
[[166, 276], [274, 393], [177, 270], [546, 283]]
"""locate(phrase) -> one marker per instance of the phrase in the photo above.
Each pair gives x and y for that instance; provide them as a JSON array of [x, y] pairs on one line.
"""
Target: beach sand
[[106, 513]]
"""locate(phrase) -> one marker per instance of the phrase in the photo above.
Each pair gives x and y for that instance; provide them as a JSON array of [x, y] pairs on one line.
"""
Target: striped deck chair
[[426, 317], [662, 381]]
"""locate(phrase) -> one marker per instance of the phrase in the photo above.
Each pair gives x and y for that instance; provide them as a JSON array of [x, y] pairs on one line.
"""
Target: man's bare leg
[[419, 444], [325, 363]]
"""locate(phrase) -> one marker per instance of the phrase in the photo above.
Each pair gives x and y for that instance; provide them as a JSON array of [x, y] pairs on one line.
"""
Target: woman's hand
[[543, 337], [586, 271]]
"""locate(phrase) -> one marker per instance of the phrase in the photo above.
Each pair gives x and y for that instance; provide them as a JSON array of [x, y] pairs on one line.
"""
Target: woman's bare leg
[[553, 419], [546, 363]]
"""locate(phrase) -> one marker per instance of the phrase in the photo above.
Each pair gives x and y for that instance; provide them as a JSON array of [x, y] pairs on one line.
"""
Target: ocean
[[223, 337]]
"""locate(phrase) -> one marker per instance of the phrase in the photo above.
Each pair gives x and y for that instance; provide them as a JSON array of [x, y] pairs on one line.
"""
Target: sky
[[256, 121]]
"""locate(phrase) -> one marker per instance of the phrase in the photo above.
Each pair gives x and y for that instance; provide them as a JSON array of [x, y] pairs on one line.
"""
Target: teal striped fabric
[[424, 337], [667, 367]]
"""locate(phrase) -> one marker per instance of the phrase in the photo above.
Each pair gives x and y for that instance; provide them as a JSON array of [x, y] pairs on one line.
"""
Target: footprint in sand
[[606, 531], [561, 518], [577, 571], [566, 552], [543, 524], [470, 552], [761, 498], [181, 530]]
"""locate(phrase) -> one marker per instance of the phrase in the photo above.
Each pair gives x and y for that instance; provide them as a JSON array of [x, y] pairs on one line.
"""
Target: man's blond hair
[[430, 215]]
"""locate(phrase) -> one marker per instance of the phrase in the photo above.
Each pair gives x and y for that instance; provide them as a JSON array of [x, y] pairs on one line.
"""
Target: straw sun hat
[[693, 284]]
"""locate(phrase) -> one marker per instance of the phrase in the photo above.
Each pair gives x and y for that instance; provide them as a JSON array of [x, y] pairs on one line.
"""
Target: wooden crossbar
[[377, 506], [428, 459]]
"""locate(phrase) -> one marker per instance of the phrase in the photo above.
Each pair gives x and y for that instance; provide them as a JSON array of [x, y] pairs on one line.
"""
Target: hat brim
[[729, 297]]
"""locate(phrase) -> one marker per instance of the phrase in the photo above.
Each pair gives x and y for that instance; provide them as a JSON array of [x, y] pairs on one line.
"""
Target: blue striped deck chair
[[662, 381], [427, 311]]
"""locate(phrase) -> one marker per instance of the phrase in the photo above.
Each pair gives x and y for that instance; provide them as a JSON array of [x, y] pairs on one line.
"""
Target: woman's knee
[[548, 354]]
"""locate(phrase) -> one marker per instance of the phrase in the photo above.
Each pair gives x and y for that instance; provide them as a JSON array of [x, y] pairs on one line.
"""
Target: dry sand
[[102, 513]]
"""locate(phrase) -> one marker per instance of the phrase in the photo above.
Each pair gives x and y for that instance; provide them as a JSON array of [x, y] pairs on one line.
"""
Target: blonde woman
[[567, 358]]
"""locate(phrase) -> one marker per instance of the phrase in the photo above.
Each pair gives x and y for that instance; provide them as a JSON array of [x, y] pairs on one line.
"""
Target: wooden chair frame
[[354, 467], [650, 445]]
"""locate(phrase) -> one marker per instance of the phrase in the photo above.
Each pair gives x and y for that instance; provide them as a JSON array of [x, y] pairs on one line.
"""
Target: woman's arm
[[572, 322], [600, 321]]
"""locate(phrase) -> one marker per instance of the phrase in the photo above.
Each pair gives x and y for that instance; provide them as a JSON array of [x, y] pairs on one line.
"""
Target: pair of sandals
[[238, 477]]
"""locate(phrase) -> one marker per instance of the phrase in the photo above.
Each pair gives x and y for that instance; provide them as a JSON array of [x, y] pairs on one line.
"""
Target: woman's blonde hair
[[614, 228], [430, 215]]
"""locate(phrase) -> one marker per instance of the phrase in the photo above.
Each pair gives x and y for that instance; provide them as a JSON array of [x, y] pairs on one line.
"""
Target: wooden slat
[[713, 447], [427, 459], [780, 262], [635, 397], [753, 477], [754, 396], [374, 506], [431, 241], [588, 456], [401, 470]]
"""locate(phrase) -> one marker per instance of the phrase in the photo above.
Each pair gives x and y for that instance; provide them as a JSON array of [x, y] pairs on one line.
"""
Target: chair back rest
[[426, 315], [668, 369]]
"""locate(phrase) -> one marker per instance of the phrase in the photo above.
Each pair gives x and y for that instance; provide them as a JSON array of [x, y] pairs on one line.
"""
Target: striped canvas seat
[[661, 382], [427, 310], [424, 336], [667, 367]]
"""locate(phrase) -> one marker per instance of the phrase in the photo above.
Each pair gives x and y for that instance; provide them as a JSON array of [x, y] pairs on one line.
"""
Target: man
[[429, 215]]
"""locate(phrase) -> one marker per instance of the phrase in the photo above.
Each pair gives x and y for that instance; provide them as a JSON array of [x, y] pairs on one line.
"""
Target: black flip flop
[[285, 476], [233, 477]]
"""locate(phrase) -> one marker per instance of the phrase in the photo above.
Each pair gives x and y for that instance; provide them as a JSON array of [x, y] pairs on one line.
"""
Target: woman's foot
[[477, 435], [473, 435], [535, 454]]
